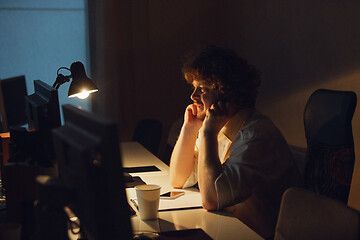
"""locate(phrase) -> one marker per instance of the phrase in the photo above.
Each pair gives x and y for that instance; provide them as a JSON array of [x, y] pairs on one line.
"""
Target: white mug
[[148, 197]]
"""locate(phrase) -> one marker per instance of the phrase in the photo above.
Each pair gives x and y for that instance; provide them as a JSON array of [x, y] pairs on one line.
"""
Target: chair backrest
[[171, 139], [330, 153], [12, 102], [308, 215], [148, 133]]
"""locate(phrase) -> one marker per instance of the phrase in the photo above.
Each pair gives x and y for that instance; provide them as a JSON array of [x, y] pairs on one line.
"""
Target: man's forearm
[[182, 158], [209, 168]]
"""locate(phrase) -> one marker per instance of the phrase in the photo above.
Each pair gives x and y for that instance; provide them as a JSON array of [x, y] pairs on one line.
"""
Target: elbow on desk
[[210, 206], [176, 184]]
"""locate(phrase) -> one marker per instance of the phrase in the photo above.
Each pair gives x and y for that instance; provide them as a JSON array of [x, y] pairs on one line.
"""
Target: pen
[[135, 204]]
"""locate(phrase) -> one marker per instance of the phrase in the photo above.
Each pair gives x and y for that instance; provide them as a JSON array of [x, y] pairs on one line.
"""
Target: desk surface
[[219, 225]]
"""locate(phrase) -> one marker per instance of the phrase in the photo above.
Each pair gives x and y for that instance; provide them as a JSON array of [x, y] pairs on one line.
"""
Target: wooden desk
[[219, 225]]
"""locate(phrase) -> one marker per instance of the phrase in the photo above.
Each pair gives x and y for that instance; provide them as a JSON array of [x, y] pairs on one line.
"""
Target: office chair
[[172, 137], [148, 133], [330, 152], [308, 215], [12, 102]]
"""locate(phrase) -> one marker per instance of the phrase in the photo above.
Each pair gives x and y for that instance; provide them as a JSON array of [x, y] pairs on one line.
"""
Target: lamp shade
[[81, 86]]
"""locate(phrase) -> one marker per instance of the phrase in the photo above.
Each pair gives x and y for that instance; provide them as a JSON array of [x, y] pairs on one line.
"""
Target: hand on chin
[[216, 117], [200, 113], [191, 119]]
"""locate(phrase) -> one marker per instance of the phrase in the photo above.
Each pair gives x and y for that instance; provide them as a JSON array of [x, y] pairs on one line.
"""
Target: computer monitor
[[43, 107], [43, 115], [12, 102], [88, 155]]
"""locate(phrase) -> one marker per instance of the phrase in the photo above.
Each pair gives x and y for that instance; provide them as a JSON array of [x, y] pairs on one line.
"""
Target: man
[[239, 159]]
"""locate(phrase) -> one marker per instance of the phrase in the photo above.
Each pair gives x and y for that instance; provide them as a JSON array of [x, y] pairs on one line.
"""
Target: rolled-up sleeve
[[193, 177], [229, 190], [233, 181], [258, 161]]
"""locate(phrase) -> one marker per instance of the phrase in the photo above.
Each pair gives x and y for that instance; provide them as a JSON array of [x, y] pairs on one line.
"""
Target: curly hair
[[229, 73]]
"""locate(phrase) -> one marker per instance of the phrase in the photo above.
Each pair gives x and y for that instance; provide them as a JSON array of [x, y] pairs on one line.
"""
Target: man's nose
[[195, 94]]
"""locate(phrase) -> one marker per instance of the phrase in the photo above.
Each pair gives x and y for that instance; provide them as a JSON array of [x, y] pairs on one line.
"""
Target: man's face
[[203, 96]]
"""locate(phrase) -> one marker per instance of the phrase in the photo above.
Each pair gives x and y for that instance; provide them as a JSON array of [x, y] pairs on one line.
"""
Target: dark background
[[300, 46]]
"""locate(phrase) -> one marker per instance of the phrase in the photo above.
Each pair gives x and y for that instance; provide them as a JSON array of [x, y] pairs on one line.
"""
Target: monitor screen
[[88, 155], [12, 102], [42, 109]]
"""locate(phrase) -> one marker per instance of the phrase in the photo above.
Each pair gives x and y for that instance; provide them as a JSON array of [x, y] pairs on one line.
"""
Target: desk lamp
[[81, 85]]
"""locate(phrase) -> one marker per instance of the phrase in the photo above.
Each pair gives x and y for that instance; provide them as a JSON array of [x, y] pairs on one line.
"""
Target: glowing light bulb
[[83, 94]]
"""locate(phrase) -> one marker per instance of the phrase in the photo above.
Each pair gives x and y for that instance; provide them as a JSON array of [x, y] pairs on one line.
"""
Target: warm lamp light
[[81, 86]]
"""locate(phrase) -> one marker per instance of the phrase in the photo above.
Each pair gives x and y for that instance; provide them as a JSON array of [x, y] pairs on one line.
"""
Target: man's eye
[[202, 88]]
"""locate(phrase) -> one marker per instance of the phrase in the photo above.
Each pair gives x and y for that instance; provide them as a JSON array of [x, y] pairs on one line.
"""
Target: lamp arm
[[61, 79]]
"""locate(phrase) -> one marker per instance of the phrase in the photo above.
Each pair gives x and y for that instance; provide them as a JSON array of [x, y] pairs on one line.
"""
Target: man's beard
[[201, 113], [201, 116]]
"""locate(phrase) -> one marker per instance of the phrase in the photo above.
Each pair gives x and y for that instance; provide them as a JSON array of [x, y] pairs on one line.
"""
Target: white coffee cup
[[148, 197]]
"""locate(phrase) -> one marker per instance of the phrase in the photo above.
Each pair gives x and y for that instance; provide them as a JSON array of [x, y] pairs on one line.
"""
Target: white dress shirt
[[257, 168]]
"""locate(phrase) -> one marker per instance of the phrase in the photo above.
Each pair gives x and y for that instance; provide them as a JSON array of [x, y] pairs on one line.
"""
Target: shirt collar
[[235, 123]]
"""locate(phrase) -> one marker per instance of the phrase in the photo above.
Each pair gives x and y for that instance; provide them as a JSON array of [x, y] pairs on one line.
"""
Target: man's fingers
[[192, 109], [219, 108]]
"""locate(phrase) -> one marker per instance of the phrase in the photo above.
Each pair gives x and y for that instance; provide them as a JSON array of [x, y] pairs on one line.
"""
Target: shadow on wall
[[299, 46], [298, 42]]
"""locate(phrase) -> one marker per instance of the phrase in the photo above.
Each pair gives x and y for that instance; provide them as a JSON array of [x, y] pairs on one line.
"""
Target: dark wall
[[136, 51], [163, 31], [299, 45]]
